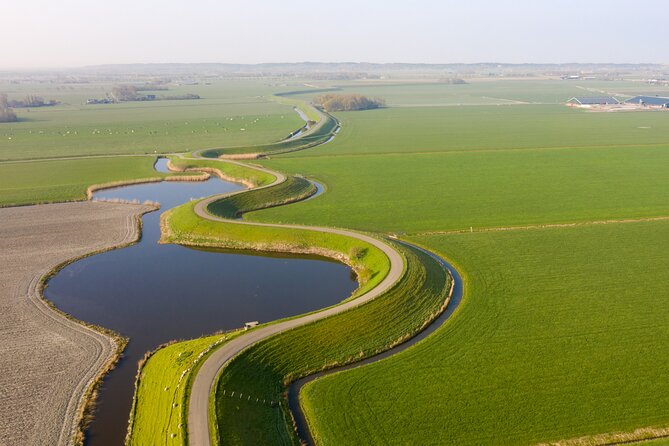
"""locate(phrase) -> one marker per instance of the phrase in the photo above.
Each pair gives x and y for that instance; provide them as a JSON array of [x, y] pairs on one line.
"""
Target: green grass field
[[559, 335], [229, 114], [430, 192], [483, 92], [562, 332], [67, 180], [442, 129]]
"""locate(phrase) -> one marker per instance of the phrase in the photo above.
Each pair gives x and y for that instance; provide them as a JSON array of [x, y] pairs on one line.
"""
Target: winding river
[[154, 293]]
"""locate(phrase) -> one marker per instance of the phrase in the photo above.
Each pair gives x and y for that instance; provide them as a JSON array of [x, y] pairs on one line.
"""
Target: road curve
[[198, 405], [454, 299]]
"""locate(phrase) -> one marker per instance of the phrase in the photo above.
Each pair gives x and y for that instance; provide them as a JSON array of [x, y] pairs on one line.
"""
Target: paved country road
[[198, 406]]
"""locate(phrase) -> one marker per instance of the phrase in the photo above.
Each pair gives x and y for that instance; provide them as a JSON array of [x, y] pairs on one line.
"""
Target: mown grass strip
[[228, 171], [291, 190], [164, 379]]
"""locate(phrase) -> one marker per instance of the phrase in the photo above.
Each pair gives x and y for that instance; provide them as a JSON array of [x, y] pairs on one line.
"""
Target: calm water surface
[[154, 293]]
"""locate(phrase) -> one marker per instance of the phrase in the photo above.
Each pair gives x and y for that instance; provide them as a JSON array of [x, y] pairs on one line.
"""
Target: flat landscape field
[[458, 191], [562, 324], [556, 218], [67, 180], [444, 129], [47, 361], [418, 93], [561, 334], [229, 114]]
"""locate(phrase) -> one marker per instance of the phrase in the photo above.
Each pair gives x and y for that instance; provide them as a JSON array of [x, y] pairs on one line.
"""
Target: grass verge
[[160, 406], [289, 191]]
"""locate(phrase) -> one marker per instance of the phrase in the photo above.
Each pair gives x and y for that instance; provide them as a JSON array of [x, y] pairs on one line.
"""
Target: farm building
[[649, 101], [599, 100]]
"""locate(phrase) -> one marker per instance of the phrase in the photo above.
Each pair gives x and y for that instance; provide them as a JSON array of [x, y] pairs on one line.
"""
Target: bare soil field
[[47, 361]]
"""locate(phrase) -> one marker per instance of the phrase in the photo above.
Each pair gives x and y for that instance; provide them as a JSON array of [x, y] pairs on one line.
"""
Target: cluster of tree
[[29, 101], [348, 102], [124, 93], [128, 93], [453, 81], [6, 113]]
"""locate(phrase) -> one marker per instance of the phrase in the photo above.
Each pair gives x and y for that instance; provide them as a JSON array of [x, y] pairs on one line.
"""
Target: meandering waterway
[[154, 293]]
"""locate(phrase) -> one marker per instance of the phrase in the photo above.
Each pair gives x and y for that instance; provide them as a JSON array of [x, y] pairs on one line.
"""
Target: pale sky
[[71, 33]]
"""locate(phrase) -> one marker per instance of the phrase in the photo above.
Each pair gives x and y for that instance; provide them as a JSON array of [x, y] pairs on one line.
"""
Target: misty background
[[72, 33]]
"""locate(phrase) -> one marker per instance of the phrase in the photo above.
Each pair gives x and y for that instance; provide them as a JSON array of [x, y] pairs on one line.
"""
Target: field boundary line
[[544, 226], [486, 150]]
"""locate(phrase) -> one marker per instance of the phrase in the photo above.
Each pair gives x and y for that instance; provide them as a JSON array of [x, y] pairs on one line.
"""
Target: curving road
[[454, 299], [198, 406], [205, 379]]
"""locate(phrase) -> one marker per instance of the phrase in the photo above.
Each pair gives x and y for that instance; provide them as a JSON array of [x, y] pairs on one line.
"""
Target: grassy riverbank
[[163, 384], [291, 190], [319, 133], [181, 225], [226, 170]]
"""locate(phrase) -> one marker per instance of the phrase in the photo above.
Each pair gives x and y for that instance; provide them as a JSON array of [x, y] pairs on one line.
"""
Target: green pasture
[[487, 91], [223, 117], [456, 191], [291, 190], [67, 180], [561, 334], [443, 129], [160, 408]]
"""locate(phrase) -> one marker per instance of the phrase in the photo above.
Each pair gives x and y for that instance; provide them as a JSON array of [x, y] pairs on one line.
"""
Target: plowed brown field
[[46, 360]]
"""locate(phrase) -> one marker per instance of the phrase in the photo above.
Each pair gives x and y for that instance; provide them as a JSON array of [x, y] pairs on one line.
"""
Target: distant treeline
[[452, 81], [30, 100], [6, 113], [128, 93], [348, 102]]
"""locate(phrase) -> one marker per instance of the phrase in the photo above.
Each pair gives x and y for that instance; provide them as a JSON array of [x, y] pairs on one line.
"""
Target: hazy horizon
[[76, 33]]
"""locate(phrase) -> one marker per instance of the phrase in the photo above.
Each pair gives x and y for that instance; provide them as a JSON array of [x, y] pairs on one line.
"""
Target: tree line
[[6, 113], [348, 102]]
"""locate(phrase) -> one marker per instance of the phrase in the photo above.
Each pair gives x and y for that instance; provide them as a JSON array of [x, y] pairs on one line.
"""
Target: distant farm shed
[[650, 101], [599, 100]]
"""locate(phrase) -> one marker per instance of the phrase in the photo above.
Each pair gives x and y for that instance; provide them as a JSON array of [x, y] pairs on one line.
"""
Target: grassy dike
[[163, 385], [227, 171], [291, 190], [266, 369], [325, 127], [181, 225]]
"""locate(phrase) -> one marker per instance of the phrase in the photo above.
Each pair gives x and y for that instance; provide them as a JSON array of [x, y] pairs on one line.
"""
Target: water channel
[[154, 293]]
